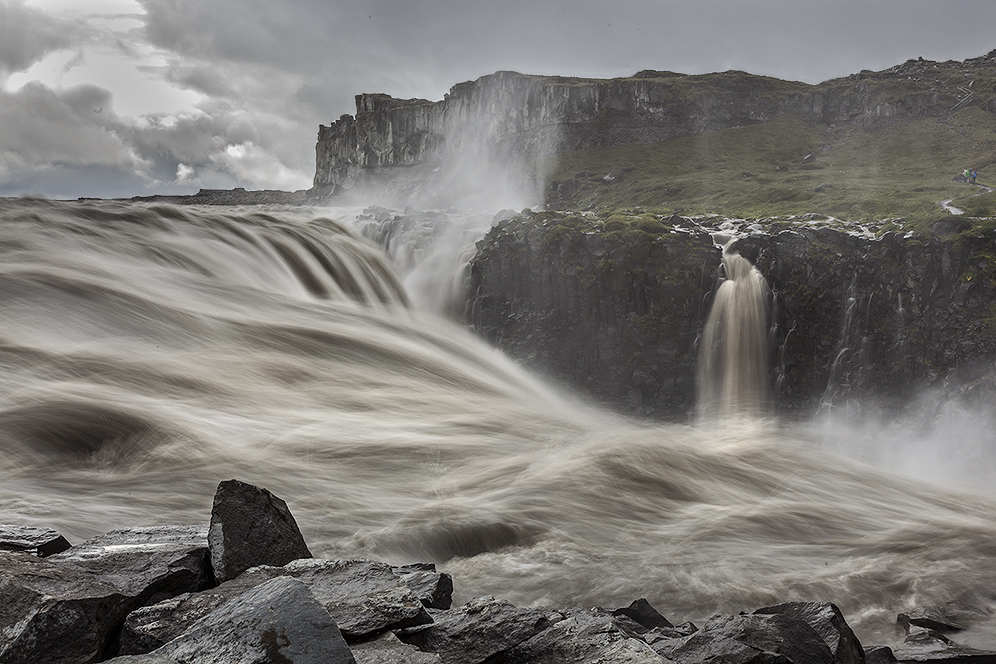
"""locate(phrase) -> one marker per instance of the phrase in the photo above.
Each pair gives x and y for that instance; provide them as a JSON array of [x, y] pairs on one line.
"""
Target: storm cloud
[[131, 97]]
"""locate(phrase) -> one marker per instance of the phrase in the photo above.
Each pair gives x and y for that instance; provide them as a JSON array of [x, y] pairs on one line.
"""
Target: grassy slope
[[900, 170]]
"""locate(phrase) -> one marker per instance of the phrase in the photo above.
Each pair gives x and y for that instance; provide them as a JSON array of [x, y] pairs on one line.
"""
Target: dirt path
[[953, 210]]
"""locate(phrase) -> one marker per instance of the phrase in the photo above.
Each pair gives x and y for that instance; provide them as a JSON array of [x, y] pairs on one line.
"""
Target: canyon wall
[[615, 310], [511, 114]]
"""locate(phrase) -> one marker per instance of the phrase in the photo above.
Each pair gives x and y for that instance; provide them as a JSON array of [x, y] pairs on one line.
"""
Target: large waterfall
[[733, 356], [148, 352]]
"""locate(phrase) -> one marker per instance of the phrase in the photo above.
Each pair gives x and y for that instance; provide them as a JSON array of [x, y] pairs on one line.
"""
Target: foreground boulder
[[146, 564], [927, 646], [749, 639], [828, 622], [55, 613], [477, 631], [278, 621], [364, 598], [28, 539], [581, 635], [249, 527]]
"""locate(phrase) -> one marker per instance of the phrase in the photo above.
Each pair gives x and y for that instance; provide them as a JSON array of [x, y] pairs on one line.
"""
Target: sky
[[118, 98]]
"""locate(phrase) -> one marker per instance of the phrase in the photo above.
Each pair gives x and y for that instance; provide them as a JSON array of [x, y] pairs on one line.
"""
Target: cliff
[[615, 306], [527, 116]]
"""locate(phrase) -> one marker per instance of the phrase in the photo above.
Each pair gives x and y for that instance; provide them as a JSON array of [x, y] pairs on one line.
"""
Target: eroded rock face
[[617, 312], [249, 527]]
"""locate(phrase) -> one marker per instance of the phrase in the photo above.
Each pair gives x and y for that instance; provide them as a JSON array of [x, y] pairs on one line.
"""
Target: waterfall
[[733, 356]]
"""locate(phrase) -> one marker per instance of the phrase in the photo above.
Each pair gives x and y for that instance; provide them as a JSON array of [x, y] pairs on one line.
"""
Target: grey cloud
[[28, 34]]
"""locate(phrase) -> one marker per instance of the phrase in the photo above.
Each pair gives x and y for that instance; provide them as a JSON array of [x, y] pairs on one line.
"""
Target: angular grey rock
[[581, 636], [389, 649], [278, 621], [54, 613], [879, 655], [249, 527], [28, 539], [829, 623], [147, 564], [644, 614], [743, 639], [948, 617], [480, 629], [150, 627], [434, 589], [363, 597], [923, 645]]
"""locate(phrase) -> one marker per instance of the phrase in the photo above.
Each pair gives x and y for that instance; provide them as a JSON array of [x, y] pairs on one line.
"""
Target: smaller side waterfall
[[733, 355]]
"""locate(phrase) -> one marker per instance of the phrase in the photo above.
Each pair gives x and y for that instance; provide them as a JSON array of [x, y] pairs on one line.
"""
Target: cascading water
[[149, 352], [733, 355]]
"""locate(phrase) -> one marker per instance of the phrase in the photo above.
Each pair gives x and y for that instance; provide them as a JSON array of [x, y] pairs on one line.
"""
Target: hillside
[[869, 146]]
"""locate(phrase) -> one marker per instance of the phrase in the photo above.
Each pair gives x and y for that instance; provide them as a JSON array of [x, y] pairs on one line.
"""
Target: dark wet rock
[[754, 638], [363, 597], [480, 629], [434, 589], [643, 613], [28, 539], [581, 635], [389, 649], [150, 627], [147, 564], [945, 618], [926, 645], [879, 655], [828, 622], [54, 613], [278, 621], [249, 527], [614, 310]]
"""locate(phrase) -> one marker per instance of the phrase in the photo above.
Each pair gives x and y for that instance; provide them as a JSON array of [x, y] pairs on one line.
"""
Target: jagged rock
[[829, 623], [150, 627], [389, 649], [642, 612], [249, 527], [363, 597], [28, 539], [754, 638], [926, 645], [581, 636], [950, 617], [879, 655], [480, 629], [278, 621], [148, 658], [54, 613], [434, 589], [147, 564]]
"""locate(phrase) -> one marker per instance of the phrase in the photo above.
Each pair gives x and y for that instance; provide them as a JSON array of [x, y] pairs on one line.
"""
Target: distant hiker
[[975, 174], [966, 174]]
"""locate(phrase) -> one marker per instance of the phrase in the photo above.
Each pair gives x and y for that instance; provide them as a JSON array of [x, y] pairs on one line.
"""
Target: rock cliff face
[[616, 312], [515, 114]]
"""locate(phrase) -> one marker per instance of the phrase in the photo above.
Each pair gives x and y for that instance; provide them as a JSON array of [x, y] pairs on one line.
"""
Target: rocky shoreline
[[247, 589]]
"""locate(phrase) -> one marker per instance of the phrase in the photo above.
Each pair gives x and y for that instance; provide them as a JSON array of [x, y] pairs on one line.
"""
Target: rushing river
[[148, 352]]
